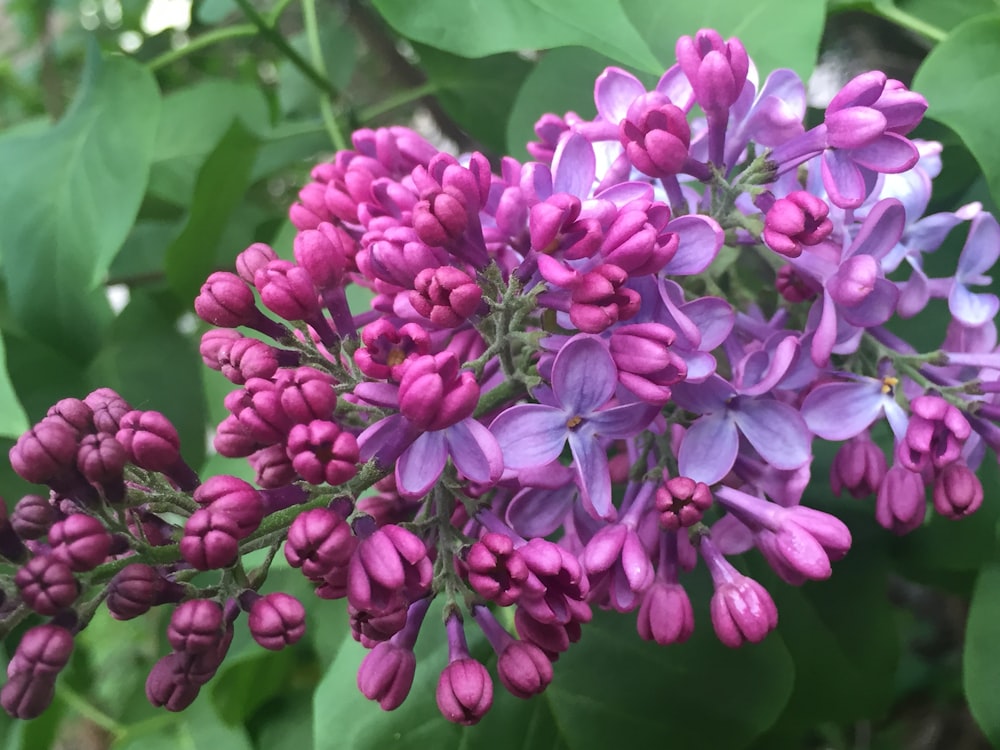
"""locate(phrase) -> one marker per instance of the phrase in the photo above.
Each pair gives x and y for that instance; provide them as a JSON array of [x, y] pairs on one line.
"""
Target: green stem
[[87, 710], [888, 10], [316, 53], [201, 42], [397, 99]]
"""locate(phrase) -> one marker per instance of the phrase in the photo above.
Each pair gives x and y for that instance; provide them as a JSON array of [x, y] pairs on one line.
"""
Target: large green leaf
[[776, 33], [961, 80], [71, 193], [981, 656], [476, 28], [13, 420]]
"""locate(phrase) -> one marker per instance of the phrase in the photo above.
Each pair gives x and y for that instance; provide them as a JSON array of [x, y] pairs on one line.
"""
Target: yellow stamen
[[888, 383]]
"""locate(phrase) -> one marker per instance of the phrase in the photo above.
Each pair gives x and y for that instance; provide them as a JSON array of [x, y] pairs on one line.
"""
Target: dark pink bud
[[386, 674], [369, 628], [108, 408], [553, 638], [446, 296], [741, 608], [433, 394], [656, 135], [80, 541], [233, 496], [792, 286], [251, 260], [602, 299], [277, 620], [665, 615], [214, 342], [196, 626], [494, 569], [901, 503], [43, 650], [233, 439], [226, 301], [321, 452], [75, 413], [211, 540], [796, 220], [524, 669], [287, 290], [134, 590], [47, 585], [440, 220], [681, 502], [390, 562], [464, 692], [935, 434], [45, 452], [957, 491], [854, 281], [247, 358], [101, 458], [272, 467], [26, 696], [387, 350], [717, 69], [646, 364], [168, 685], [150, 440], [326, 253], [32, 517], [318, 542], [307, 395], [859, 467]]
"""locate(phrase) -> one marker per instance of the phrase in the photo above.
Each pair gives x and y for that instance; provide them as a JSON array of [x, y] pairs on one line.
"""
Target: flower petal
[[614, 91], [591, 461], [584, 375], [622, 421], [982, 247], [539, 512], [971, 308], [573, 166], [421, 464], [775, 430], [839, 411], [475, 451], [842, 179], [709, 448], [530, 435], [699, 240]]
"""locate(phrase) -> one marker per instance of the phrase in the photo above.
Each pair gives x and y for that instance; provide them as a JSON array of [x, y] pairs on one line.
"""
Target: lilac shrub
[[577, 378]]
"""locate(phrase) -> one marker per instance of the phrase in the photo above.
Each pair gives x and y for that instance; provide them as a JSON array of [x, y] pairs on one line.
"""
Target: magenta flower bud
[[935, 434], [233, 496], [321, 452], [246, 358], [901, 503], [553, 638], [319, 541], [108, 409], [211, 539], [665, 614], [646, 365], [255, 257], [796, 220], [386, 674], [214, 343], [716, 69], [233, 439], [226, 301], [854, 127], [272, 467], [387, 351], [326, 253], [446, 296], [854, 281], [681, 502], [26, 696], [464, 690], [101, 458], [47, 585], [524, 669], [494, 569], [150, 440], [307, 395], [168, 685], [75, 413], [196, 626], [433, 394], [792, 286], [741, 608], [46, 452], [369, 628], [441, 219], [261, 412], [43, 650], [618, 567], [389, 563], [957, 491], [277, 620], [80, 541], [136, 589], [33, 516], [859, 467], [602, 299], [656, 135], [287, 290]]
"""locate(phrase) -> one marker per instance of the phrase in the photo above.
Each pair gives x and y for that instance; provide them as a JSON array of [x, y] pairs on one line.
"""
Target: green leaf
[[296, 93], [72, 193], [250, 681], [221, 186], [948, 15], [13, 420], [961, 80], [792, 43], [477, 94], [562, 81], [477, 28], [981, 654], [194, 121], [153, 366]]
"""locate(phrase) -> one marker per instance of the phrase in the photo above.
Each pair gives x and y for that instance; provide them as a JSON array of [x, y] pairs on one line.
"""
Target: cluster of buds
[[547, 405]]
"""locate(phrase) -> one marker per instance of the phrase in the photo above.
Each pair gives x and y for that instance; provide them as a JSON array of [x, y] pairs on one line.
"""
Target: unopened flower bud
[[957, 491], [277, 620], [196, 626], [80, 541]]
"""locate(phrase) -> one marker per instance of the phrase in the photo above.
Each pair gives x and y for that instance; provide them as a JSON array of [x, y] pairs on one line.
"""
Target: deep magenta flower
[[584, 378]]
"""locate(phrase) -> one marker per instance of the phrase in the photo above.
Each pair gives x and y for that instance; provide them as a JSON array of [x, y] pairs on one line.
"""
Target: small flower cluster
[[576, 378]]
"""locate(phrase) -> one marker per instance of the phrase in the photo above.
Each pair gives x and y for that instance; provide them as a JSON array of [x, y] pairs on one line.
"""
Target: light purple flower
[[978, 255], [840, 411]]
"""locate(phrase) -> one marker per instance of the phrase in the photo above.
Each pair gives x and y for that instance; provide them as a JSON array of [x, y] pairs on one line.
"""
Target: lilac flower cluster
[[576, 378]]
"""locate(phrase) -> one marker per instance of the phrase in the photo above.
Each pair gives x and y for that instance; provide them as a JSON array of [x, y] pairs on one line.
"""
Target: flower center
[[574, 422]]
